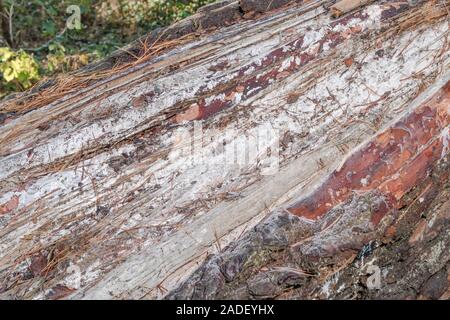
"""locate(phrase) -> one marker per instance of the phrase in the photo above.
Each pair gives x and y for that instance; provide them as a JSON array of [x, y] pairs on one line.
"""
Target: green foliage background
[[35, 42]]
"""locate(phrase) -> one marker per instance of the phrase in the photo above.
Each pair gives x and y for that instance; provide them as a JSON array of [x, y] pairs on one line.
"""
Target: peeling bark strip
[[121, 188], [394, 162]]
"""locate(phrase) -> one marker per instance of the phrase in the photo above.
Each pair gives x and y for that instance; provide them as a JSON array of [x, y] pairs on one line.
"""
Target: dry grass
[[70, 83]]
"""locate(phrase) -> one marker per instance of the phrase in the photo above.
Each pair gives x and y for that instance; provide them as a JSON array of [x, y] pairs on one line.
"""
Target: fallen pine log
[[289, 130], [392, 226], [345, 6]]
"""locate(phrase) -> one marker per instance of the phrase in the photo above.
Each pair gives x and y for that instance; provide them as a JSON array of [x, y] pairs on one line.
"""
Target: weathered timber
[[115, 184], [344, 6], [400, 225]]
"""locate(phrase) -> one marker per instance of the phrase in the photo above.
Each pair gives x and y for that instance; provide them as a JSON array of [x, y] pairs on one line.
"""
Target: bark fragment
[[105, 193]]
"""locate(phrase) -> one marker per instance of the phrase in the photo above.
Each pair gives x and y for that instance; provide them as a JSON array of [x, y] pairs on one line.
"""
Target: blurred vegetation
[[35, 41]]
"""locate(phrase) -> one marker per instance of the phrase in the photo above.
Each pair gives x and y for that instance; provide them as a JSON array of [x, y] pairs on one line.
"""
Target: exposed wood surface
[[116, 191], [400, 226]]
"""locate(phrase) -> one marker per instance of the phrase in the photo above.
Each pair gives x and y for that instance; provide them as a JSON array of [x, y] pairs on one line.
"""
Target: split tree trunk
[[115, 181]]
